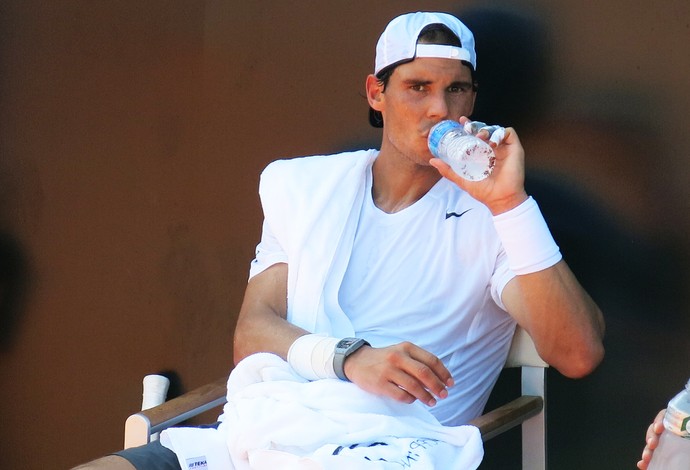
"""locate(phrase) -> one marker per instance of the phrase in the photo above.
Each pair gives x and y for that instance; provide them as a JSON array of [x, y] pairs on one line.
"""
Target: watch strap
[[345, 348]]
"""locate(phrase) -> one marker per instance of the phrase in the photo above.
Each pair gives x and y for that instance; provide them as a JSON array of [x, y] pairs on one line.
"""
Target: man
[[386, 269]]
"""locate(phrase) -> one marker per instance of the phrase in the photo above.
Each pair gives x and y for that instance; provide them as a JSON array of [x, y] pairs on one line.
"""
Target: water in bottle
[[673, 452], [468, 155]]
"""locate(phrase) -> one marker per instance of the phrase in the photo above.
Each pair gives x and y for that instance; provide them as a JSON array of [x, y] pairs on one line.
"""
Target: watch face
[[346, 343]]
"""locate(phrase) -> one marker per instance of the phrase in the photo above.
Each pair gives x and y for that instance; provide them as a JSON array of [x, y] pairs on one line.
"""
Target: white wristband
[[311, 356], [526, 238]]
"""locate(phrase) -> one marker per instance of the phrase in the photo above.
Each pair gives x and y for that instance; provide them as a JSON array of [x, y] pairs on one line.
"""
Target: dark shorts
[[154, 456]]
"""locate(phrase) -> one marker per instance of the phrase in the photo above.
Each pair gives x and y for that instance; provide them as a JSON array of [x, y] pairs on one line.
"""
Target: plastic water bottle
[[673, 452], [468, 155]]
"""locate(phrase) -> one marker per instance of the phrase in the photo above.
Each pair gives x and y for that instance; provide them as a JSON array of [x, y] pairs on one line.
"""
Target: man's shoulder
[[316, 162], [303, 178]]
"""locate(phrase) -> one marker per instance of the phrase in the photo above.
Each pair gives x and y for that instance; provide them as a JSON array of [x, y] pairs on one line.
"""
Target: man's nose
[[438, 106]]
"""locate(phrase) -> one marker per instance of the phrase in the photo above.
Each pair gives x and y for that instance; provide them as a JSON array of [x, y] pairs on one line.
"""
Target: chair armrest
[[140, 426], [508, 416]]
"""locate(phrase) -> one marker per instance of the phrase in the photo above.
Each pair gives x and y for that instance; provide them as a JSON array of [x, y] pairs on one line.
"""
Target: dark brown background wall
[[132, 135]]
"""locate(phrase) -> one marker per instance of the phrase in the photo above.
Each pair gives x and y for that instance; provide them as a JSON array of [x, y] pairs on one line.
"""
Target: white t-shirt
[[431, 274], [417, 275]]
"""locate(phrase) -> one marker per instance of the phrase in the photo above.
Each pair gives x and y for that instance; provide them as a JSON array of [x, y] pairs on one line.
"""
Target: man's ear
[[374, 90]]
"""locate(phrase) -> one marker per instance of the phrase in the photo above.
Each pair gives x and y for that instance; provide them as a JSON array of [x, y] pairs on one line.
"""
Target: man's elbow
[[583, 363], [239, 349]]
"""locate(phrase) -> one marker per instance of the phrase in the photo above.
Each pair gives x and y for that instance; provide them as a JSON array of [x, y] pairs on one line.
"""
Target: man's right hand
[[404, 372]]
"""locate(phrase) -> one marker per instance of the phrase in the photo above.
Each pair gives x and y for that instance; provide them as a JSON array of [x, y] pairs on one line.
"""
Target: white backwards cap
[[398, 42]]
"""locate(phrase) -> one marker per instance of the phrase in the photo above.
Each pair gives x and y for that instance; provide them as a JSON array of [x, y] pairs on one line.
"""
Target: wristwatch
[[344, 348]]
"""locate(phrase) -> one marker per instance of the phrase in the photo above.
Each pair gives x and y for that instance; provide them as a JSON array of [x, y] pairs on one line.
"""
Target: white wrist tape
[[311, 356], [527, 241]]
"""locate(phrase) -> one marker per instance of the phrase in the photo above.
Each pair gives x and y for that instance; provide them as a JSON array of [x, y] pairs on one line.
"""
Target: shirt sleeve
[[501, 276], [268, 252]]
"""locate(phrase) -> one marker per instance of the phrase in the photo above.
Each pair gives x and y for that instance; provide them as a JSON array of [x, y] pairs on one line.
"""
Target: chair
[[527, 410]]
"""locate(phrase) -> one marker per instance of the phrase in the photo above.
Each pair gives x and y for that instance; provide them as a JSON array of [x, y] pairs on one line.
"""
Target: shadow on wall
[[637, 277], [13, 284]]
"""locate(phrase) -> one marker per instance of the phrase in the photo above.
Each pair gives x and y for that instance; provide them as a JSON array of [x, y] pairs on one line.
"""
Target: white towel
[[198, 448], [274, 419], [312, 205]]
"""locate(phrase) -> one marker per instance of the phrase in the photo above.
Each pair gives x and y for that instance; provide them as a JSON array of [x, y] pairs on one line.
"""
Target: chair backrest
[[523, 352]]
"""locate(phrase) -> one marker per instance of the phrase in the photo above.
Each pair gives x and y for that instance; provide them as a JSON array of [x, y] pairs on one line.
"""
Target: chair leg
[[534, 443], [534, 429]]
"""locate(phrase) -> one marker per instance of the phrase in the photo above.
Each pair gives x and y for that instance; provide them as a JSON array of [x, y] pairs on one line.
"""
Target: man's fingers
[[432, 364], [427, 375], [495, 133], [398, 393], [473, 127], [404, 372], [412, 388]]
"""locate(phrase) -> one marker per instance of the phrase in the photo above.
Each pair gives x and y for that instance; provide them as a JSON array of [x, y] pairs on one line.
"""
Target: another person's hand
[[652, 440], [404, 372]]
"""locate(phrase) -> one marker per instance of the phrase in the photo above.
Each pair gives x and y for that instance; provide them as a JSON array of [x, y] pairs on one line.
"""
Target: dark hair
[[435, 33]]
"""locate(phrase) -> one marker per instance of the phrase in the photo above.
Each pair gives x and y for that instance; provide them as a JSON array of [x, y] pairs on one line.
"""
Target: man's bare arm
[[403, 371], [262, 324], [566, 325]]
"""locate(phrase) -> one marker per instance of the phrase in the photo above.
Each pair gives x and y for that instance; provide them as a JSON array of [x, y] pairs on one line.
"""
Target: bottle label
[[437, 132], [677, 422]]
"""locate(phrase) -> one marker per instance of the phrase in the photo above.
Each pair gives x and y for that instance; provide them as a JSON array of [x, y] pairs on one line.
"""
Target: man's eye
[[460, 89], [418, 87]]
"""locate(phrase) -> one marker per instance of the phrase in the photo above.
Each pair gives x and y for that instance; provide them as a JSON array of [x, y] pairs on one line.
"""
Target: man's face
[[418, 95]]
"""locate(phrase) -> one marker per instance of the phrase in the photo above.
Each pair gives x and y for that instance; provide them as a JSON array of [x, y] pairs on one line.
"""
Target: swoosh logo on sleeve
[[455, 214]]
